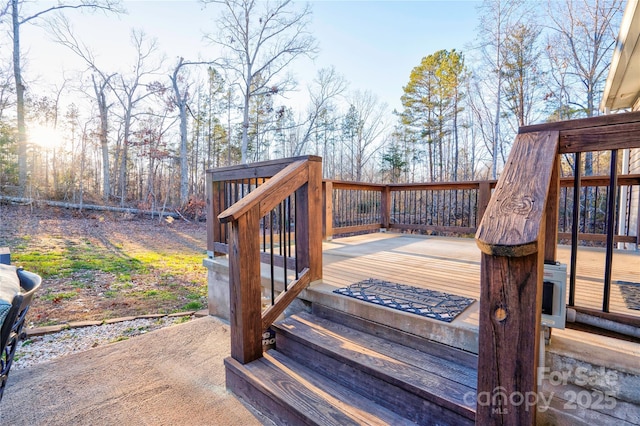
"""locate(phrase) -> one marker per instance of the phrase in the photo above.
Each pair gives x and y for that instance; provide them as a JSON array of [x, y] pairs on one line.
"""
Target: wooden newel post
[[511, 237], [314, 197], [484, 195], [385, 207], [327, 199], [212, 216], [244, 287], [509, 340]]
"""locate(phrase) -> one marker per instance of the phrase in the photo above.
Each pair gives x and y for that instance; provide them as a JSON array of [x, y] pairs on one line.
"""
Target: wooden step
[[290, 394], [398, 336], [420, 386]]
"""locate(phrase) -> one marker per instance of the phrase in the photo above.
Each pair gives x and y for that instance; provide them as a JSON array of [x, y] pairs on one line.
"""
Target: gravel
[[38, 349]]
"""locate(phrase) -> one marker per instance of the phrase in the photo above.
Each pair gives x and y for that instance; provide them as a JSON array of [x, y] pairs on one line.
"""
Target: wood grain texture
[[357, 186], [512, 222], [430, 357], [602, 237], [484, 196], [552, 211], [245, 292], [620, 136], [600, 180], [356, 228], [614, 131], [436, 228], [412, 384], [385, 207], [289, 393], [212, 217], [284, 299], [452, 265], [357, 407], [391, 334], [327, 203], [583, 123], [314, 229], [509, 328], [263, 169], [218, 231]]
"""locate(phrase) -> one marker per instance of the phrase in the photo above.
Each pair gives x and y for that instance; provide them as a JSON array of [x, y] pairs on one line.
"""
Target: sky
[[374, 44]]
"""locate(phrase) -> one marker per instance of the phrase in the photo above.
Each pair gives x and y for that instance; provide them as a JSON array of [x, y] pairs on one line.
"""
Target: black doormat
[[630, 293], [428, 303]]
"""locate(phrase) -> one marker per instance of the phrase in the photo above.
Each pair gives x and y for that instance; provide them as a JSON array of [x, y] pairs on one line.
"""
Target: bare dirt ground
[[134, 265]]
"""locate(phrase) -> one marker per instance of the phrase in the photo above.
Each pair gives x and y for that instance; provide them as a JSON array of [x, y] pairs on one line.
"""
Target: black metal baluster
[[280, 239], [283, 241], [271, 254], [611, 219], [295, 230], [575, 228]]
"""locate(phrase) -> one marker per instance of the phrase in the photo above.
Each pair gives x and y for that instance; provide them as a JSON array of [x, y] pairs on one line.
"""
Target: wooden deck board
[[452, 265]]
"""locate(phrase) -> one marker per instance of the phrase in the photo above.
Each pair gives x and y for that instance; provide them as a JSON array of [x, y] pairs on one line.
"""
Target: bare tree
[[327, 86], [6, 90], [127, 90], [522, 73], [261, 38], [19, 17], [62, 33], [580, 46], [584, 35], [364, 123], [180, 100], [497, 20]]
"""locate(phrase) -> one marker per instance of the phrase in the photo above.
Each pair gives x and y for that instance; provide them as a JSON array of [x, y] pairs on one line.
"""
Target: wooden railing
[[457, 207], [449, 207], [516, 236], [266, 212]]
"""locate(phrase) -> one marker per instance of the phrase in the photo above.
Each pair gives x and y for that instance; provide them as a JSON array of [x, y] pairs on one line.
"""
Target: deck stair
[[331, 368]]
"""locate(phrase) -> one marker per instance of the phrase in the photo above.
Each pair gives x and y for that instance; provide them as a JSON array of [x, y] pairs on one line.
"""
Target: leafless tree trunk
[[100, 89], [181, 98], [17, 20], [262, 39], [126, 91], [62, 33], [585, 35], [371, 124], [328, 85], [497, 20]]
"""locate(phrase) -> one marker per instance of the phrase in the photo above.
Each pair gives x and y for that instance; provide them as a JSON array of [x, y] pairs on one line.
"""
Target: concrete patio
[[171, 376]]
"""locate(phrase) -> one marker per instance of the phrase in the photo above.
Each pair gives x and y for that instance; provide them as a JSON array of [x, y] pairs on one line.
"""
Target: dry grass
[[101, 266]]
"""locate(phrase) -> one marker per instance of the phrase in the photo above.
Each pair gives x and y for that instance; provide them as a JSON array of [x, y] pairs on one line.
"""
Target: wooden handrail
[[263, 169], [591, 123], [517, 234], [513, 221], [615, 131], [303, 176]]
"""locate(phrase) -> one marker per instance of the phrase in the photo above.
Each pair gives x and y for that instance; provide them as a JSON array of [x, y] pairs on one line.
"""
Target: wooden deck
[[452, 265]]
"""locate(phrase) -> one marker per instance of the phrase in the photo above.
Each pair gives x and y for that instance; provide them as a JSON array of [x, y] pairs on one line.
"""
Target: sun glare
[[45, 137]]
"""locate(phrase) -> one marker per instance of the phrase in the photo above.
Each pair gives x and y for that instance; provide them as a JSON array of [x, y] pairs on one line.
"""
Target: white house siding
[[634, 168]]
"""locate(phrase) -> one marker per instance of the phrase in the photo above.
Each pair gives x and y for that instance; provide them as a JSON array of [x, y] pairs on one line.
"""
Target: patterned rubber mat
[[428, 303], [630, 293]]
